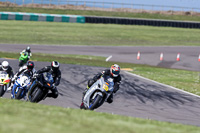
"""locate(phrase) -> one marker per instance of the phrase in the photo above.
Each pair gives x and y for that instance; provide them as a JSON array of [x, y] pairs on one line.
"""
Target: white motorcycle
[[4, 81], [20, 87], [98, 93]]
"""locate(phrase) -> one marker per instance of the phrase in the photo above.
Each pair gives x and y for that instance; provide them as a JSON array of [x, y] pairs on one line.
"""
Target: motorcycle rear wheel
[[2, 91]]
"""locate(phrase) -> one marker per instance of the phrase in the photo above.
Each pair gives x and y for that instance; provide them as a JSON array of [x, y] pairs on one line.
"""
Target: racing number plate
[[105, 87]]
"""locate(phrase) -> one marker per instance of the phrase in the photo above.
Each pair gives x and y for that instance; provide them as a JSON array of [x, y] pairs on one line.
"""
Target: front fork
[[13, 91]]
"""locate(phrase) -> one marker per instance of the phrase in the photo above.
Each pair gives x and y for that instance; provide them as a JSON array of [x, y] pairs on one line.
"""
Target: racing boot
[[110, 99], [9, 88], [54, 93], [82, 104]]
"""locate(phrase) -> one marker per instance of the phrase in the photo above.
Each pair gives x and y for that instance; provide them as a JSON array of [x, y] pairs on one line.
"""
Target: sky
[[176, 3], [182, 3]]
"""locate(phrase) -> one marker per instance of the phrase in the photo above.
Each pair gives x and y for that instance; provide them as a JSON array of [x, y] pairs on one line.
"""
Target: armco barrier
[[149, 22], [41, 17]]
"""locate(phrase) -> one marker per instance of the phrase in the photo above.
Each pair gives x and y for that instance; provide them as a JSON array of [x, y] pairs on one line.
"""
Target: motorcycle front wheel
[[35, 95], [96, 102], [18, 95]]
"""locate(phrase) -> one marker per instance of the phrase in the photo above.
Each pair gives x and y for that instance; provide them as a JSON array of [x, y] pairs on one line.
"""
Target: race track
[[137, 97], [148, 55]]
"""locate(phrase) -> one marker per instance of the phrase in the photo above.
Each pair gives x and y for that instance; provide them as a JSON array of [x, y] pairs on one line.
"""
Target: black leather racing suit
[[117, 82], [26, 71], [56, 77]]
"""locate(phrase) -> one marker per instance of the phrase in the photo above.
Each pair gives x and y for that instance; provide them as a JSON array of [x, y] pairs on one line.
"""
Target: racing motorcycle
[[20, 87], [4, 81], [98, 93], [40, 87], [23, 58]]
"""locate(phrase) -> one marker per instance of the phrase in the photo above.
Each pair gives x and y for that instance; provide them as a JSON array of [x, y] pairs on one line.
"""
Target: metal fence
[[93, 5]]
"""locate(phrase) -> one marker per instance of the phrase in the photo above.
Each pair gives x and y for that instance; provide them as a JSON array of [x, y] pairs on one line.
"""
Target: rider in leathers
[[56, 73], [27, 50], [113, 72], [29, 69], [4, 66]]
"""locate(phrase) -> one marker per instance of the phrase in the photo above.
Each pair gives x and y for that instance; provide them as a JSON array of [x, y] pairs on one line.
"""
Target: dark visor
[[5, 67], [115, 72]]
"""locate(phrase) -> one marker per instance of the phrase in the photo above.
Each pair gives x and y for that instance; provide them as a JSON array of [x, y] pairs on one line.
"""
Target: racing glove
[[35, 75]]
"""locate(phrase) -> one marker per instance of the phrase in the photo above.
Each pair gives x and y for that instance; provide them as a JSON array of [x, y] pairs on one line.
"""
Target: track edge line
[[161, 84]]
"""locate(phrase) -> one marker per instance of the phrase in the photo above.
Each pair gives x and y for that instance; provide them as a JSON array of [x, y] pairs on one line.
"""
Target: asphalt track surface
[[136, 98], [148, 55]]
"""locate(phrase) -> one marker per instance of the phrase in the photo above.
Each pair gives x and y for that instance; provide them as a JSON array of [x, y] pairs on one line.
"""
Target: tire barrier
[[149, 22], [41, 17], [95, 19]]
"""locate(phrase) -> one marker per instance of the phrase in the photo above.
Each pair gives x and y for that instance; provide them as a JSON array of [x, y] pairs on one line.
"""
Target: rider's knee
[[55, 95], [90, 82]]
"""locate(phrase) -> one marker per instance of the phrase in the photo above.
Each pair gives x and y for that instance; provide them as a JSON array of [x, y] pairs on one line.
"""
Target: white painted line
[[162, 84], [107, 59]]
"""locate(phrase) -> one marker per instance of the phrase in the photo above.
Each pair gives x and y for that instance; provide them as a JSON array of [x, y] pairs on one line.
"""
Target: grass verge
[[28, 32], [22, 117], [182, 79], [102, 13]]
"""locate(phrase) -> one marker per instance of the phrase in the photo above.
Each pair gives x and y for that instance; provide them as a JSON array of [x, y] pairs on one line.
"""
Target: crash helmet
[[115, 70], [5, 65], [28, 49], [30, 65], [55, 66]]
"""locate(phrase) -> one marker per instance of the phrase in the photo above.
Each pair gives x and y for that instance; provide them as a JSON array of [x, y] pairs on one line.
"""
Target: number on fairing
[[105, 87]]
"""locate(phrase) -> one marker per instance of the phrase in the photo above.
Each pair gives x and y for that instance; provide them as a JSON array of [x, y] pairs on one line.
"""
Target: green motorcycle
[[23, 58]]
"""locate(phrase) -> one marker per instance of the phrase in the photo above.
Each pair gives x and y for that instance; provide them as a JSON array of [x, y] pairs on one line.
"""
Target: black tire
[[2, 91], [18, 95], [95, 103], [35, 96]]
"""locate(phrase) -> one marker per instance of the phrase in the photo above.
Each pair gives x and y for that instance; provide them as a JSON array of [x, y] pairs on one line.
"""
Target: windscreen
[[48, 77]]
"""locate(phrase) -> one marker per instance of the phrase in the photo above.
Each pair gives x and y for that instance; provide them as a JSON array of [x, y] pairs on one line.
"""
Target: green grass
[[27, 32], [87, 57], [103, 13], [182, 79], [22, 117]]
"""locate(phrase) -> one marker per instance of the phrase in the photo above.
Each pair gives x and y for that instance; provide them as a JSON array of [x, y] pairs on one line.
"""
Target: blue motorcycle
[[20, 87]]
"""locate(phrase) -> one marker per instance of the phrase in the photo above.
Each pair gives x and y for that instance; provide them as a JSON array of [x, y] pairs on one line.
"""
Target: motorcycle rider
[[113, 72], [28, 69], [4, 66], [28, 51], [56, 73]]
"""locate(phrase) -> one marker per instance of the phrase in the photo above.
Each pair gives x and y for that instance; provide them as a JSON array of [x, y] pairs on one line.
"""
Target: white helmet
[[5, 65]]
